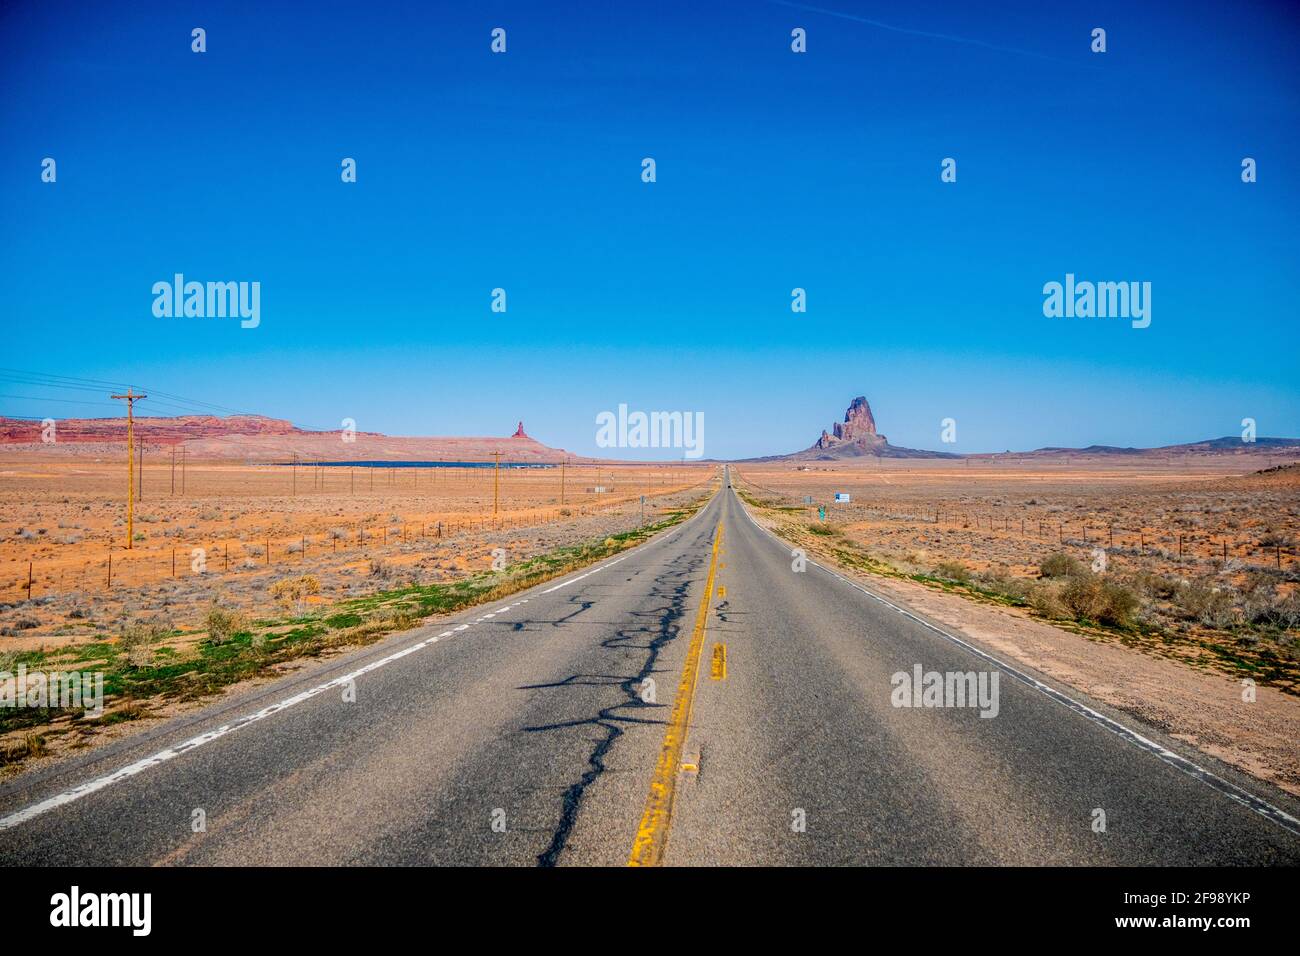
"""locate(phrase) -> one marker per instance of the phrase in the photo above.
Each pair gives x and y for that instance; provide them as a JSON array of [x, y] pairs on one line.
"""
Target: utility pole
[[182, 471], [130, 398], [496, 483], [173, 469], [563, 465], [139, 488]]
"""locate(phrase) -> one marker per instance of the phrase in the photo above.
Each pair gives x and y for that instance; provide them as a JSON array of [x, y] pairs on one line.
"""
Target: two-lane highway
[[697, 700]]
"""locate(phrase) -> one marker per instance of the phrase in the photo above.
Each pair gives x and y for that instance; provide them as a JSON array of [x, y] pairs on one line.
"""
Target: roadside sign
[[842, 497], [807, 499]]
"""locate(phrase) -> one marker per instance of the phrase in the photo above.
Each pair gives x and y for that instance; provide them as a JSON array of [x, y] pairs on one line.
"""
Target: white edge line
[[19, 817], [1225, 787]]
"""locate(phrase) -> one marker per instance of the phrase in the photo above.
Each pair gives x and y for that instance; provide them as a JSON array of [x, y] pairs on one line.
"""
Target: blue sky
[[775, 170]]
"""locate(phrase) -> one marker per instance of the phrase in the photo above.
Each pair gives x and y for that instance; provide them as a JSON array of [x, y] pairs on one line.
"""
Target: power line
[[130, 398]]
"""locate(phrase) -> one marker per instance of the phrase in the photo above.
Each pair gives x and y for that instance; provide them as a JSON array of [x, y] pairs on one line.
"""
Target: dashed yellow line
[[719, 669], [652, 834]]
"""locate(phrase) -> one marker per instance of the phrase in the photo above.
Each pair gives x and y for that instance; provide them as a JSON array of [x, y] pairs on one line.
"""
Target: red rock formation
[[257, 438], [158, 430], [859, 426], [856, 437]]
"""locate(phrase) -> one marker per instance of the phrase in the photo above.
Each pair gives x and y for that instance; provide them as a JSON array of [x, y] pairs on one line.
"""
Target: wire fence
[[121, 567], [1276, 548]]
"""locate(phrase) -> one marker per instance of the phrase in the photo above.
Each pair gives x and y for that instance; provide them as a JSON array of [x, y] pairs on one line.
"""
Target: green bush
[[1060, 565]]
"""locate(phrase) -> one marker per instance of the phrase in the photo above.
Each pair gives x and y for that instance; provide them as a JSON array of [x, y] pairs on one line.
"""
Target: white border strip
[[1228, 789]]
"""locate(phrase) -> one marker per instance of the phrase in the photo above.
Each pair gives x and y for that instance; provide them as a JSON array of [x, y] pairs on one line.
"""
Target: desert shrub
[[379, 568], [1083, 598], [1099, 598], [30, 746], [293, 592], [223, 624], [137, 640], [1264, 608], [1274, 538], [1060, 565], [1045, 598], [1122, 603], [952, 571], [402, 618], [1156, 585], [1206, 603]]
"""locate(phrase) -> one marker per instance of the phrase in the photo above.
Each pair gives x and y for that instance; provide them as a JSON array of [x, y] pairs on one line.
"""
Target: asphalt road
[[520, 733]]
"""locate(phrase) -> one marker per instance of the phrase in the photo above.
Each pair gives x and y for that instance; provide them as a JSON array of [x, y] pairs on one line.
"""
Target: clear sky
[[775, 170]]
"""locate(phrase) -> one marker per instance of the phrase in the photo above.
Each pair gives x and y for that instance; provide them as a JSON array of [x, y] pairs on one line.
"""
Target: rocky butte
[[859, 426], [856, 437]]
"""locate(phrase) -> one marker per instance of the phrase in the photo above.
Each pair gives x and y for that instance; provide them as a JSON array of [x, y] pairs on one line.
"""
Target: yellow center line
[[719, 671], [652, 834]]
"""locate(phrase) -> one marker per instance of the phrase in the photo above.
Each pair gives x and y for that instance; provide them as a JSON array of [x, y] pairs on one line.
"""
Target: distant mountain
[[1217, 447], [256, 437], [855, 437]]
